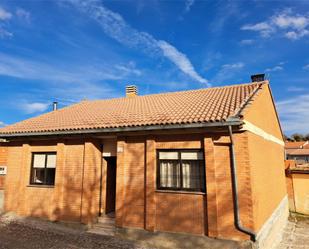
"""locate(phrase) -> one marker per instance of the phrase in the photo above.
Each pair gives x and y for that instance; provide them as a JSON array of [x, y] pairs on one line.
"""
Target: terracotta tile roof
[[186, 107], [298, 152], [306, 146], [295, 145]]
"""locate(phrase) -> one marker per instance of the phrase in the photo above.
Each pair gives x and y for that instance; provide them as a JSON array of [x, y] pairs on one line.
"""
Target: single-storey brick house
[[207, 162]]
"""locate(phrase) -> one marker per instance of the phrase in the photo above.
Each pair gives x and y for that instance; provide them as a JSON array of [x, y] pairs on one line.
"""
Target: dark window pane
[[43, 169], [50, 176], [38, 176], [191, 177]]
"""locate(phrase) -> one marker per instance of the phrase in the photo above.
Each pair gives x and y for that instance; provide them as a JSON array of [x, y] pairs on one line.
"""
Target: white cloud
[[263, 27], [181, 61], [294, 114], [274, 69], [295, 89], [287, 20], [292, 26], [227, 72], [188, 5], [306, 67], [23, 14], [116, 27], [129, 69], [4, 15], [246, 42], [76, 82], [4, 33], [30, 108], [293, 35], [237, 65], [2, 124], [29, 69]]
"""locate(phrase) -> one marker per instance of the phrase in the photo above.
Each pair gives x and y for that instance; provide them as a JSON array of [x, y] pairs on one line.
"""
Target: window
[[301, 159], [43, 168], [181, 170]]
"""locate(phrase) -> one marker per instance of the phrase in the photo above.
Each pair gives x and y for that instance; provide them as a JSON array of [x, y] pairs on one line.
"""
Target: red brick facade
[[3, 162], [75, 196]]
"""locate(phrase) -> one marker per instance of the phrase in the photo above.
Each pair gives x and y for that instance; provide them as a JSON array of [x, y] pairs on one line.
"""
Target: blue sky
[[71, 50]]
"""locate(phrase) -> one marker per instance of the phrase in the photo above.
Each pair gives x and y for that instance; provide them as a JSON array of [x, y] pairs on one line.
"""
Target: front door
[[110, 184]]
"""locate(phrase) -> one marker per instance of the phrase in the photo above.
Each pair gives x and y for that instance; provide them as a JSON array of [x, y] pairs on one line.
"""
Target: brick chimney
[[55, 106], [258, 77], [131, 91]]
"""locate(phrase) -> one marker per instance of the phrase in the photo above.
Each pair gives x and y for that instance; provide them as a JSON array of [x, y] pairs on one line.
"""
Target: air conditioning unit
[[2, 170]]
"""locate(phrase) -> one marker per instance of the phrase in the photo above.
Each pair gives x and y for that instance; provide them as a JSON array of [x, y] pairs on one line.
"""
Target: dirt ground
[[296, 234], [32, 234], [18, 233]]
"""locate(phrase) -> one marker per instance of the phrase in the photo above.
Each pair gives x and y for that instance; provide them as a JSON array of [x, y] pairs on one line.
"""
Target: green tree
[[297, 137]]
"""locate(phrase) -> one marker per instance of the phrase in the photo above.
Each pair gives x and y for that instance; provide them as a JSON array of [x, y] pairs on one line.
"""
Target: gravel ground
[[16, 233], [296, 234]]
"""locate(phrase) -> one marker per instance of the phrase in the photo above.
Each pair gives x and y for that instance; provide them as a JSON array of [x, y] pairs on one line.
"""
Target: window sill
[[179, 192], [40, 186]]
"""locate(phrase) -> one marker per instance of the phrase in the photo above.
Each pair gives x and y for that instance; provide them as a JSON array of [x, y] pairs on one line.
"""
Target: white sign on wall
[[107, 154], [120, 149], [2, 170]]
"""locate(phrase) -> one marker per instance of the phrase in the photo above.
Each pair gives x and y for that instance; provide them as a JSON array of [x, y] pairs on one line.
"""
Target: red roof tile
[[298, 152], [194, 106], [295, 145]]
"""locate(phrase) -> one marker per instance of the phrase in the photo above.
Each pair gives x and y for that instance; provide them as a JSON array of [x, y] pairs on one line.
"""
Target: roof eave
[[230, 122]]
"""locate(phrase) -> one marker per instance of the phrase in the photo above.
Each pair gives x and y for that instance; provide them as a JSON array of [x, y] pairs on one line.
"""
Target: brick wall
[[301, 192], [262, 112], [289, 184], [266, 157], [73, 198], [180, 211], [297, 183], [3, 162], [268, 177], [130, 178]]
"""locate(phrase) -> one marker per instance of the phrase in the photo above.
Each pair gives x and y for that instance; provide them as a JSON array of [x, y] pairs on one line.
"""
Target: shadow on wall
[[177, 212], [75, 196], [1, 201]]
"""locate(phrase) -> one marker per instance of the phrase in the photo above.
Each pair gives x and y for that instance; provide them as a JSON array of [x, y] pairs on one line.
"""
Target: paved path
[[296, 234]]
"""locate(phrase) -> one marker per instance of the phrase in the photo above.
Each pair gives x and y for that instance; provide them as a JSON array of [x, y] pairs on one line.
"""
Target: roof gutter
[[234, 122], [237, 221]]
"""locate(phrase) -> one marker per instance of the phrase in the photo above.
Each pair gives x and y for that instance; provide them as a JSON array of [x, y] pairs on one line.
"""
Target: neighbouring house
[[207, 162], [298, 151], [297, 176]]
